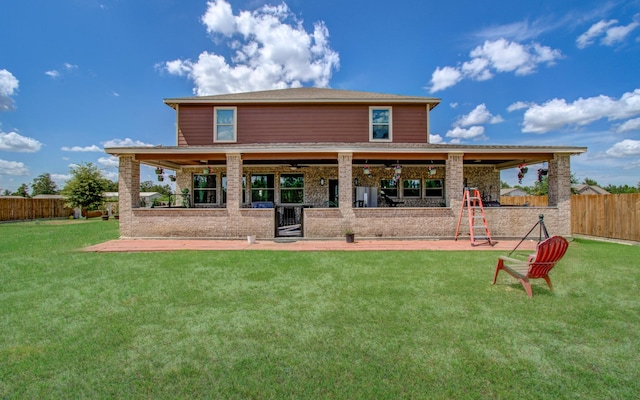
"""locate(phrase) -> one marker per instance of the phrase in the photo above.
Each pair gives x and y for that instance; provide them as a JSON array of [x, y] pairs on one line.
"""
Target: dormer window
[[380, 127], [224, 125]]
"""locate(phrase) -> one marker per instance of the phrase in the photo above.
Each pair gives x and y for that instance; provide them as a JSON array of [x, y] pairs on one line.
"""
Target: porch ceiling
[[500, 157]]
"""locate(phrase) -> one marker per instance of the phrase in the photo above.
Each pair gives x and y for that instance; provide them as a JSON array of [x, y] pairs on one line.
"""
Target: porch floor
[[297, 244]]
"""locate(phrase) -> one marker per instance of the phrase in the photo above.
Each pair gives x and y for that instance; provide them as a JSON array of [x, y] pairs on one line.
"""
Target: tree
[[22, 190], [590, 182], [85, 188], [110, 186], [6, 192], [43, 185], [149, 186]]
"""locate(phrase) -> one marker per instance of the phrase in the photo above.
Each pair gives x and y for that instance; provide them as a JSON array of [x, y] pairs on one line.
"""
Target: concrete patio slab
[[294, 244]]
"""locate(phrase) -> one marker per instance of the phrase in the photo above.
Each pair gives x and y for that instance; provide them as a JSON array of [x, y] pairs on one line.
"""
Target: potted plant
[[522, 170], [186, 202], [172, 178], [542, 172], [349, 235], [159, 171], [160, 178]]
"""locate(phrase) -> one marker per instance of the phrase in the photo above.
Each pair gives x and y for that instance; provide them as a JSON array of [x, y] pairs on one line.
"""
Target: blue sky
[[79, 75]]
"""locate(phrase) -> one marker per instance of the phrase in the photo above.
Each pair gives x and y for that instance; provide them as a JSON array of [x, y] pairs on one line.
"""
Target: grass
[[372, 325]]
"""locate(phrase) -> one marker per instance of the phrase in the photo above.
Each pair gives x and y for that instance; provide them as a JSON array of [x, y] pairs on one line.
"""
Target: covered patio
[[337, 188]]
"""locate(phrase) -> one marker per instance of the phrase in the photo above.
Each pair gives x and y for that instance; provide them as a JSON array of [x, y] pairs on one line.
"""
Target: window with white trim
[[434, 188], [224, 125], [389, 187], [411, 188], [380, 126]]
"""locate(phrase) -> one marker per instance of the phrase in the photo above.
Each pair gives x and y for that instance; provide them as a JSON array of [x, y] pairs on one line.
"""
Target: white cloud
[[13, 141], [272, 51], [495, 56], [60, 177], [8, 87], [556, 113], [435, 139], [477, 116], [127, 142], [473, 133], [453, 105], [609, 32], [518, 105], [93, 148], [593, 32], [626, 148], [630, 125], [443, 78], [108, 162], [54, 73], [13, 168], [618, 34]]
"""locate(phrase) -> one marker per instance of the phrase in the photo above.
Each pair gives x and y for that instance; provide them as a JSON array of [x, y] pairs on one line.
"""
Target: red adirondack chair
[[548, 253]]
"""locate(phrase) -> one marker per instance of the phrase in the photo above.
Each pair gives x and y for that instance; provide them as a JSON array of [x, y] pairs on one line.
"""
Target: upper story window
[[224, 125], [380, 127]]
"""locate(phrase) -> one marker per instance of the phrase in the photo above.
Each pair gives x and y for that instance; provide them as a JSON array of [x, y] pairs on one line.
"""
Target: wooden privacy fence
[[532, 201], [20, 208], [615, 216]]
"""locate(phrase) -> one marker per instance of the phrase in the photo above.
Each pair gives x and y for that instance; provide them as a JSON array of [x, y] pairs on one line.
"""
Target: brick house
[[313, 162]]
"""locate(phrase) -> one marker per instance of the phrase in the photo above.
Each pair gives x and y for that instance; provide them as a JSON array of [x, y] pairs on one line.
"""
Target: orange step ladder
[[472, 202]]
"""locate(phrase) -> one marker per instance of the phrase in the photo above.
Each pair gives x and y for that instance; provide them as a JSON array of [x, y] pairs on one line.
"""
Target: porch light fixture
[[355, 181], [321, 181]]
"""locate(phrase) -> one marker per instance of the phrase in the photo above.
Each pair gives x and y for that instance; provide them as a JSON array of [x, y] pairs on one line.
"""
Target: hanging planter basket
[[160, 178], [172, 178], [159, 171]]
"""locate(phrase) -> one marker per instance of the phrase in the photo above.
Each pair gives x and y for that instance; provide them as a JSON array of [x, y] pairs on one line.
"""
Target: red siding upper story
[[303, 123]]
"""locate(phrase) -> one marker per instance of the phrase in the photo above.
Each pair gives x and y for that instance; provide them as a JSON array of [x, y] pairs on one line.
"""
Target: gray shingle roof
[[305, 95]]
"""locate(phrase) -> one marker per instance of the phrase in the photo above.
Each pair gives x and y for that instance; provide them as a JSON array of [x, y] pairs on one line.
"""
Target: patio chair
[[538, 265]]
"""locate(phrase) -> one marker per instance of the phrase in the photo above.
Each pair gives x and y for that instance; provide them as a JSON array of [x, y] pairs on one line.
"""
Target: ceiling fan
[[295, 166]]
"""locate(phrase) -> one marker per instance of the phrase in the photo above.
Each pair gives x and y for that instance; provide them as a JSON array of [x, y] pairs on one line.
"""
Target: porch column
[[560, 190], [234, 182], [345, 180], [454, 181], [128, 192]]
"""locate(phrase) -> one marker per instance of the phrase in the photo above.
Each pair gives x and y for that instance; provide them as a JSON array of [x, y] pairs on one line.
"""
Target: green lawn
[[341, 325]]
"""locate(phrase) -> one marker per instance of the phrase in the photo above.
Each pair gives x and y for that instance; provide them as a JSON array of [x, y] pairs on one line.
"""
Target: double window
[[380, 126], [204, 189], [225, 125], [292, 188]]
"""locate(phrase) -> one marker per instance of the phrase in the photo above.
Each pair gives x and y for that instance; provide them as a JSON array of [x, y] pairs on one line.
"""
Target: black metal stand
[[543, 229]]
